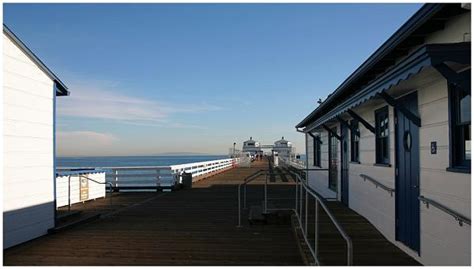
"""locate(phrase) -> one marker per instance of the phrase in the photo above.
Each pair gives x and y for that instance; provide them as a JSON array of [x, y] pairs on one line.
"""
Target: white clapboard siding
[[28, 120]]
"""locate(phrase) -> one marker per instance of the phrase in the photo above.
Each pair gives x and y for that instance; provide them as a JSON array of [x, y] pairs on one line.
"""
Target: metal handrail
[[378, 184], [457, 216], [89, 179], [98, 182], [333, 219], [248, 179]]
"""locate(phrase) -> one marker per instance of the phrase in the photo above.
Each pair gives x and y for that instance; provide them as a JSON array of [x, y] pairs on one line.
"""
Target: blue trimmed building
[[402, 122]]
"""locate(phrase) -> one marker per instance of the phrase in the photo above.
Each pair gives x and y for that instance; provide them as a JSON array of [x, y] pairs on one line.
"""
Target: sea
[[115, 161]]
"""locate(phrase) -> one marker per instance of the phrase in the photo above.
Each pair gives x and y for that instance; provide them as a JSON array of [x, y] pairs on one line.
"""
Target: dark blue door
[[407, 173], [344, 166]]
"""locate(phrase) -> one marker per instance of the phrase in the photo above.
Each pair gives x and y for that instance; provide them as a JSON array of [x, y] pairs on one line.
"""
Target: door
[[333, 160], [407, 174], [344, 166]]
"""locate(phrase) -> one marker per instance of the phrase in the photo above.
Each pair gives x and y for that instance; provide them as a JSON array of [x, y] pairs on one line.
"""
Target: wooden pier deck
[[198, 227], [185, 227]]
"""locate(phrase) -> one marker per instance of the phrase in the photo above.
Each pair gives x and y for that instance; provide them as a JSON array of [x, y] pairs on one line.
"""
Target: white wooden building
[[395, 135], [283, 147], [29, 94], [251, 146]]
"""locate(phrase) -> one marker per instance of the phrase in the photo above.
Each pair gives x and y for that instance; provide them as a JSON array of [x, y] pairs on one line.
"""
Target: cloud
[[102, 138], [102, 100], [84, 142]]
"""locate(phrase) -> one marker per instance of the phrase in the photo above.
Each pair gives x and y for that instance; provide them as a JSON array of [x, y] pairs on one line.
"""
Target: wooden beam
[[361, 120], [396, 104], [317, 138], [332, 132], [343, 122], [454, 77]]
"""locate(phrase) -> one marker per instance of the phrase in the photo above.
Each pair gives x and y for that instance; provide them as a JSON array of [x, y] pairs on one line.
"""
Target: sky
[[147, 79]]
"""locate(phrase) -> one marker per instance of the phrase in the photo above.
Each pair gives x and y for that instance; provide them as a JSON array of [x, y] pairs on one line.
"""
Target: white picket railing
[[68, 186], [165, 177]]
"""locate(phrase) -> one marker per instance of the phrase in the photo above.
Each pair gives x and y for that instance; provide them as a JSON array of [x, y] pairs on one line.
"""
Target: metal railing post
[[301, 198], [306, 213], [265, 201], [296, 195], [238, 200], [316, 230], [349, 253], [245, 196], [303, 226]]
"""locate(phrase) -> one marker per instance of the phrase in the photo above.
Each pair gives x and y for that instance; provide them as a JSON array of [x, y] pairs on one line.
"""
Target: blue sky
[[154, 78]]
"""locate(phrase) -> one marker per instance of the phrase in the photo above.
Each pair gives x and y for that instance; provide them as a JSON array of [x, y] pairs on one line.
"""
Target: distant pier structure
[[283, 147]]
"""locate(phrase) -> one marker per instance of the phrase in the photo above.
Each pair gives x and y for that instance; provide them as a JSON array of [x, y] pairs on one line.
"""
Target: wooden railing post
[[116, 179]]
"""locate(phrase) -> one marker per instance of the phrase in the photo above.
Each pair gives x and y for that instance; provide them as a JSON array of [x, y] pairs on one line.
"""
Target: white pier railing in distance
[[299, 164], [163, 177], [202, 168]]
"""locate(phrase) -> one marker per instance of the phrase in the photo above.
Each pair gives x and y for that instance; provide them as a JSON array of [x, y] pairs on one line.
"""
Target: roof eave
[[420, 17], [61, 88]]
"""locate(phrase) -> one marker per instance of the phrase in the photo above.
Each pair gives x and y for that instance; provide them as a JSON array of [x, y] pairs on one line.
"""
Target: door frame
[[344, 165], [330, 159], [398, 173]]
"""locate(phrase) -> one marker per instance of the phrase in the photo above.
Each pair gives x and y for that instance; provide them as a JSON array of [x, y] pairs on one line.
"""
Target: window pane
[[356, 151], [385, 148], [382, 134], [465, 109], [467, 142]]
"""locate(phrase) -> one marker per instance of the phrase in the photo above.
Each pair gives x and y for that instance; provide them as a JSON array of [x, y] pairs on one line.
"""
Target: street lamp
[[233, 153]]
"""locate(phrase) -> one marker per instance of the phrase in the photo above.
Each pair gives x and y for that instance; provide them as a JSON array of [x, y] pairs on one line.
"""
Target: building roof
[[282, 140], [429, 55], [428, 19], [61, 89], [250, 141]]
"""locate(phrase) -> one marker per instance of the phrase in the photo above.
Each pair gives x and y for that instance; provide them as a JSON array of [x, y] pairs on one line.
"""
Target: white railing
[[203, 168], [299, 164], [161, 177], [68, 190]]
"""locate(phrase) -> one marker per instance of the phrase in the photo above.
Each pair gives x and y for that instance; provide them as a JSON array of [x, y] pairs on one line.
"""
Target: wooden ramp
[[185, 227], [370, 246]]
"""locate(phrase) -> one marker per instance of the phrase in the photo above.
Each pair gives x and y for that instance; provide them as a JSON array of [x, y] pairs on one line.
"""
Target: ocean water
[[133, 160]]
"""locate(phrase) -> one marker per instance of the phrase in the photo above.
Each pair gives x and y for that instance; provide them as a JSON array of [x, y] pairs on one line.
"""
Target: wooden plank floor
[[185, 227], [370, 247], [198, 227]]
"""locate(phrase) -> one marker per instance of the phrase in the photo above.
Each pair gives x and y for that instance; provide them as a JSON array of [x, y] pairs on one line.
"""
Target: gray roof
[[61, 89]]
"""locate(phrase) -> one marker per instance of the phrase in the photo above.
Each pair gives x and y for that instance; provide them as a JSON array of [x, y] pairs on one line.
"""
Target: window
[[460, 121], [316, 151], [381, 136], [355, 137]]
